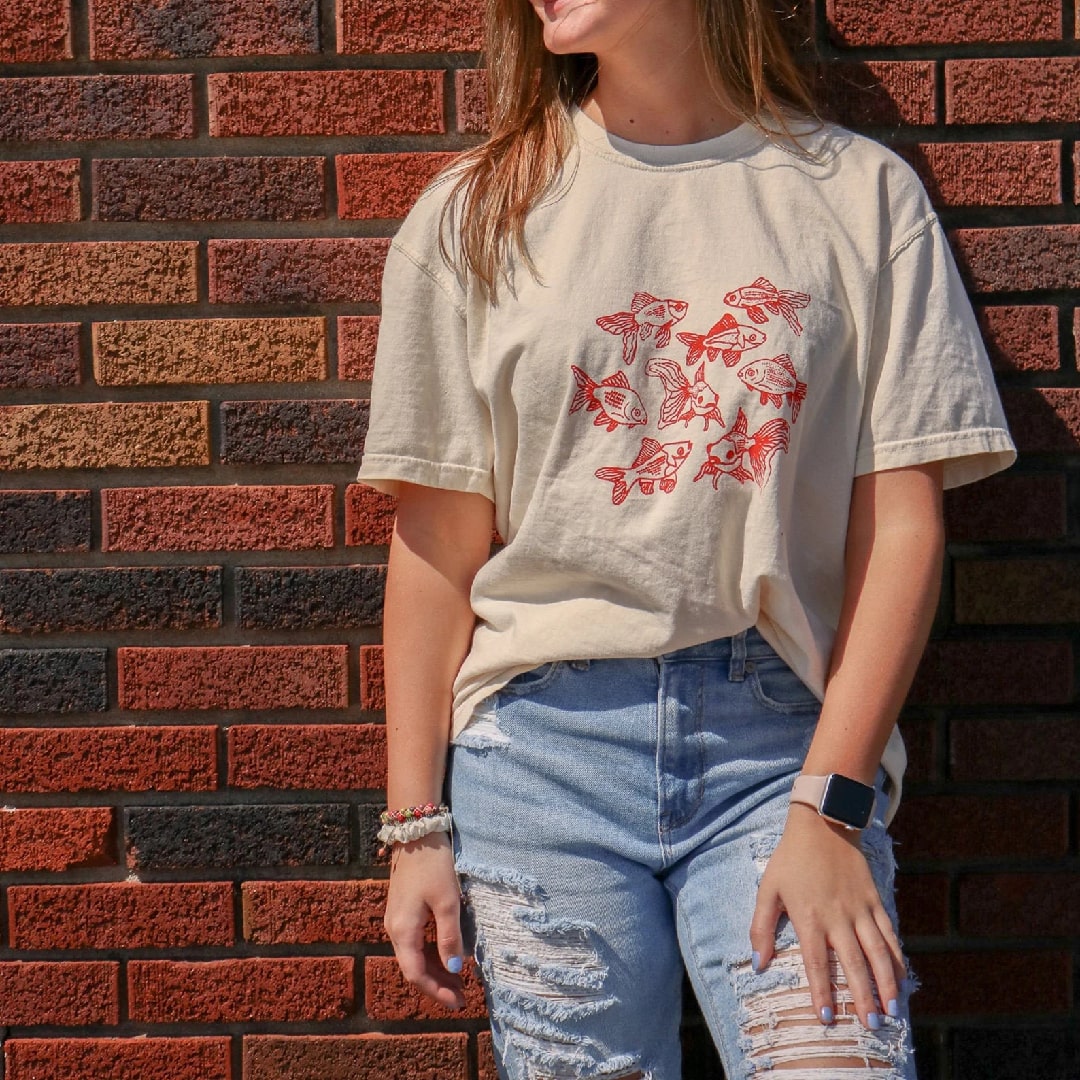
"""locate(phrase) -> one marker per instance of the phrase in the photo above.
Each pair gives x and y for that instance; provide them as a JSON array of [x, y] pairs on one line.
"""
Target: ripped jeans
[[613, 819]]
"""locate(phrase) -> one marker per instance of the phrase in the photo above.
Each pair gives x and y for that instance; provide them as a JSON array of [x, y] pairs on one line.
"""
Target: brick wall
[[195, 201]]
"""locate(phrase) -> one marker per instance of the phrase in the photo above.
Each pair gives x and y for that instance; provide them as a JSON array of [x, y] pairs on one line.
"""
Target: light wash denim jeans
[[612, 821]]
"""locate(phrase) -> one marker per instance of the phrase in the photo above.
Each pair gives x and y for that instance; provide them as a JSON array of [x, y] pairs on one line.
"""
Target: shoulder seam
[[428, 272], [910, 238]]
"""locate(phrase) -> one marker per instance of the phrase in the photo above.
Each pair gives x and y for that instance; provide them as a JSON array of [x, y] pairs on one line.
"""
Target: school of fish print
[[738, 453]]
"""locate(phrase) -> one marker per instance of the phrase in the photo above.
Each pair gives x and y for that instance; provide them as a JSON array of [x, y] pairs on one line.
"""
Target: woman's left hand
[[819, 876]]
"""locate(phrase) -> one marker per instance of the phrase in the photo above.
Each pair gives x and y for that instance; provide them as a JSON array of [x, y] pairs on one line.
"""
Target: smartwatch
[[836, 798]]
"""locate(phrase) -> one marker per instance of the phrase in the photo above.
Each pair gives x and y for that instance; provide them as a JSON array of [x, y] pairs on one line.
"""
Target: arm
[[441, 538], [818, 874]]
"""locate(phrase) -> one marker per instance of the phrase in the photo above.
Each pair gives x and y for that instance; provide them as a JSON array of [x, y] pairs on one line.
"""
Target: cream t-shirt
[[724, 335]]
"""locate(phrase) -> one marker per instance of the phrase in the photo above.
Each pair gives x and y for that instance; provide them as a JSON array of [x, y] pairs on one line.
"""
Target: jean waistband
[[734, 650]]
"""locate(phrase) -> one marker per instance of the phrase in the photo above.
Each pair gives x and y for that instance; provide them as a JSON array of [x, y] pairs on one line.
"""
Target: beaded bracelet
[[411, 823]]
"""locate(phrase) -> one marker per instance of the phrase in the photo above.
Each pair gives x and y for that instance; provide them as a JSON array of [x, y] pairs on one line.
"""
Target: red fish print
[[763, 294], [727, 338], [775, 380], [647, 316], [655, 464], [613, 401], [727, 453], [684, 400]]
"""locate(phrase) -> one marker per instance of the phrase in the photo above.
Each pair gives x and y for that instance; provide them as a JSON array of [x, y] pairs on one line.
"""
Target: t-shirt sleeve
[[428, 424], [929, 389]]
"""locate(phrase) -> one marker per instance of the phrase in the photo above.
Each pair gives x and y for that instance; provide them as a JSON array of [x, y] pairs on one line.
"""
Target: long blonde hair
[[752, 69]]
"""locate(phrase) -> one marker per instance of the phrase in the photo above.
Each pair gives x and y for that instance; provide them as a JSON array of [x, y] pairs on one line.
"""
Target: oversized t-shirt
[[722, 336]]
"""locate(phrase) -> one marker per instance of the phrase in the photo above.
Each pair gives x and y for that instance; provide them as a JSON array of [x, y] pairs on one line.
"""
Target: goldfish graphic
[[655, 463], [727, 338], [763, 294], [613, 401], [775, 380], [647, 316], [727, 453], [684, 400]]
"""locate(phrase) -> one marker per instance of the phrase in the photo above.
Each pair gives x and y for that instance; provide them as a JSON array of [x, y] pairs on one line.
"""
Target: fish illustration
[[763, 294], [648, 316], [775, 380], [656, 463], [728, 338], [684, 400], [725, 456], [612, 399]]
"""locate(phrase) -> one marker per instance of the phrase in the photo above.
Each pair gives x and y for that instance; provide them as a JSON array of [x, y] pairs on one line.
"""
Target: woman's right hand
[[423, 883]]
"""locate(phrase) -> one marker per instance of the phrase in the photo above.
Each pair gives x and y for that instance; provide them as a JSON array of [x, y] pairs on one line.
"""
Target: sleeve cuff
[[968, 455], [385, 472]]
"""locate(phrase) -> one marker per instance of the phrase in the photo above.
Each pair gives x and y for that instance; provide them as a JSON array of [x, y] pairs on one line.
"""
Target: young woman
[[706, 364]]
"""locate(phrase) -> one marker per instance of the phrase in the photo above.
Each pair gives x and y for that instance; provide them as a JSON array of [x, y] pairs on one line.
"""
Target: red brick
[[218, 518], [326, 757], [470, 89], [922, 901], [120, 758], [372, 690], [1023, 257], [120, 30], [1044, 420], [1012, 90], [985, 983], [97, 107], [306, 912], [34, 31], [234, 677], [1021, 338], [121, 915], [982, 826], [234, 991], [357, 1057], [877, 22], [369, 516], [387, 996], [39, 191], [920, 741], [384, 185], [357, 338], [66, 994], [1024, 507], [989, 174], [984, 673], [137, 1058], [1026, 591], [159, 351], [55, 838], [485, 1052], [1019, 905], [1015, 748], [388, 26], [882, 92], [317, 270], [105, 434], [326, 103], [39, 355]]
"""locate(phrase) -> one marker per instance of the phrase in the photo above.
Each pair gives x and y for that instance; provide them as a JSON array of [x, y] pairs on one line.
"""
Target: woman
[[706, 365]]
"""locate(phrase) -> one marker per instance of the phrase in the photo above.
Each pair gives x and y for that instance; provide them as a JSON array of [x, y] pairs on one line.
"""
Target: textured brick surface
[[983, 983], [234, 677], [230, 991], [66, 994], [1018, 1053], [1012, 90], [1017, 590], [318, 432], [1015, 748], [209, 189], [154, 352], [369, 516], [384, 185], [298, 598], [1021, 338], [34, 31], [121, 758], [111, 272], [984, 673], [39, 191], [881, 23], [487, 1070], [338, 757], [372, 690], [1025, 257], [326, 103], [33, 521], [882, 92], [52, 680], [1044, 421], [218, 518], [922, 901], [97, 107], [356, 1057], [357, 336], [118, 1059], [1019, 905], [305, 912], [55, 838], [379, 26], [121, 915], [113, 598], [320, 270], [39, 354], [921, 743], [121, 30], [176, 837], [106, 434], [990, 174], [1008, 508], [387, 996], [470, 89]]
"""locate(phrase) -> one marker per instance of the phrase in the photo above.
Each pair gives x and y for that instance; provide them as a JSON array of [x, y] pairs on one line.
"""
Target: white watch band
[[809, 790]]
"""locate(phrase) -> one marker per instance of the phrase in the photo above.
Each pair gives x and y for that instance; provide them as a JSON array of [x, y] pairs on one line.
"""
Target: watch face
[[848, 801]]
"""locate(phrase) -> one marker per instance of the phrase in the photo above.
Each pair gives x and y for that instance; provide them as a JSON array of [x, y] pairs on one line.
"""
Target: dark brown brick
[[39, 521], [920, 741], [1044, 420], [138, 1058], [470, 89], [934, 21], [39, 191], [369, 516], [65, 994], [34, 31], [1015, 748], [984, 673], [922, 901], [384, 185], [989, 174], [1023, 507], [1019, 1052], [357, 337], [1021, 338], [319, 432], [1012, 90], [356, 1057], [882, 92], [330, 757], [1028, 591], [987, 983], [1021, 257], [52, 681], [1019, 905], [306, 912], [34, 355], [55, 838], [372, 690], [386, 26], [298, 598]]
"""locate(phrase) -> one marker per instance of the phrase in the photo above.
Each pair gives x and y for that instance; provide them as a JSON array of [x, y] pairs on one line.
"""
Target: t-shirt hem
[[385, 472], [968, 455]]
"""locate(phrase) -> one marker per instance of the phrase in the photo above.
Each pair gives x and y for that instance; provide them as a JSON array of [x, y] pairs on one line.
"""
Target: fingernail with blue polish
[[826, 1014], [454, 965], [873, 1021], [755, 961], [893, 1008]]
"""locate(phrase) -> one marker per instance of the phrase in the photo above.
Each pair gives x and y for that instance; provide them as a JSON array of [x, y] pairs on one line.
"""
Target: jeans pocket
[[777, 687], [533, 681]]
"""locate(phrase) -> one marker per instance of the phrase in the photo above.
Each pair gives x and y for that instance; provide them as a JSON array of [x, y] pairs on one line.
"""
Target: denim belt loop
[[737, 666]]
